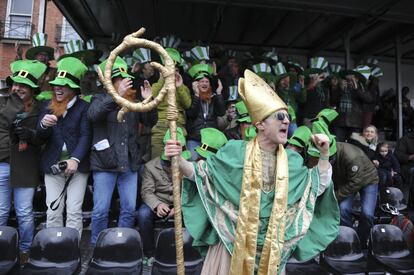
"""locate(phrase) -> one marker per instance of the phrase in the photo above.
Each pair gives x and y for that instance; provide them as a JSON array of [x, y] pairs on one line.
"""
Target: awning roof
[[307, 27]]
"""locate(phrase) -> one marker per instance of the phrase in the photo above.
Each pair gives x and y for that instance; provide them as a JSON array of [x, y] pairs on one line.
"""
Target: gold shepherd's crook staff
[[168, 72]]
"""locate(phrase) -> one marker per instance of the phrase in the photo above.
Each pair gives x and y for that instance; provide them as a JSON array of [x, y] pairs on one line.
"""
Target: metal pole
[[347, 46], [399, 84]]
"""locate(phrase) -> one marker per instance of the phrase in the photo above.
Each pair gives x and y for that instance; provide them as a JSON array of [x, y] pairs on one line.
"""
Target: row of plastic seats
[[387, 253], [117, 251]]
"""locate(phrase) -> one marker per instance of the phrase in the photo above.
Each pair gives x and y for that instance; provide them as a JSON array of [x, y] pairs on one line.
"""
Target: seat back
[[346, 246], [8, 244], [55, 245], [394, 197], [118, 246], [386, 240], [165, 248]]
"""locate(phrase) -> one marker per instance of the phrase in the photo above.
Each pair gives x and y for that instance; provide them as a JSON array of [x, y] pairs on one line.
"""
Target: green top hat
[[143, 55], [317, 65], [301, 137], [180, 137], [199, 71], [264, 71], [200, 53], [292, 63], [120, 68], [370, 61], [327, 115], [362, 72], [242, 113], [211, 141], [280, 71], [271, 56], [26, 72], [70, 71], [334, 69], [39, 41], [170, 41], [376, 71], [320, 127], [129, 60], [75, 48], [233, 94]]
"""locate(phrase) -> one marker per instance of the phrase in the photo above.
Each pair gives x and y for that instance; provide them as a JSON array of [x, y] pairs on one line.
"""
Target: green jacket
[[183, 99], [352, 170]]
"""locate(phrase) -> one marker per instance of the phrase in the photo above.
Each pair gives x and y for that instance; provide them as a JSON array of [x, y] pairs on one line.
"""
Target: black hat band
[[205, 147], [25, 74], [301, 142], [65, 74]]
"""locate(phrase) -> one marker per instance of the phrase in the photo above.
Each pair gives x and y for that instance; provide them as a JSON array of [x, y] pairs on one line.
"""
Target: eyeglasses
[[281, 116]]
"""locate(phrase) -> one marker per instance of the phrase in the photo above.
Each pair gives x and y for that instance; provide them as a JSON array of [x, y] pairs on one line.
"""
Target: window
[[19, 19], [68, 32]]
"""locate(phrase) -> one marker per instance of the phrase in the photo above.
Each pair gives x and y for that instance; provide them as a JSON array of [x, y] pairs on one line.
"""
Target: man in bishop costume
[[253, 205]]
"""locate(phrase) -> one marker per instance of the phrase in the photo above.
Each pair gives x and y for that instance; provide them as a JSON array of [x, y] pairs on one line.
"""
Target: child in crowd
[[388, 167]]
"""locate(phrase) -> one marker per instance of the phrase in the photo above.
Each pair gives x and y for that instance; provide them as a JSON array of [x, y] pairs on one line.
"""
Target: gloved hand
[[24, 133]]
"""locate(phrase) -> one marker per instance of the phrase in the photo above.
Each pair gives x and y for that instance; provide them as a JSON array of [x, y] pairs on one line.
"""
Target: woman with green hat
[[20, 148], [64, 125]]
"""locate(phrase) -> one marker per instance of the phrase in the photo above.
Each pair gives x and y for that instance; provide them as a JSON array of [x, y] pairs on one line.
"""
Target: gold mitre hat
[[261, 101]]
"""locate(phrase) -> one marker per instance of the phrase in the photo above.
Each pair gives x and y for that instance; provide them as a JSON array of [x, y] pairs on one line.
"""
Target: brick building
[[20, 19]]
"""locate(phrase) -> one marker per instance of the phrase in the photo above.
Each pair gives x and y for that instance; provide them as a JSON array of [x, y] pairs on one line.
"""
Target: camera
[[58, 167]]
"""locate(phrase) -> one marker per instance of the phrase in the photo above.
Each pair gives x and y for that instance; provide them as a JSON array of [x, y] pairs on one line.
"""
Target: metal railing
[[15, 29], [64, 33]]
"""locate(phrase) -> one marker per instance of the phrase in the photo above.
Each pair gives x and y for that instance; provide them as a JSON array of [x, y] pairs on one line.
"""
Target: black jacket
[[123, 151], [197, 120]]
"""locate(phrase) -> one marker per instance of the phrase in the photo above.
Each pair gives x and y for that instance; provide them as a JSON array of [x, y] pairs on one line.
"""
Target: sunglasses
[[281, 116]]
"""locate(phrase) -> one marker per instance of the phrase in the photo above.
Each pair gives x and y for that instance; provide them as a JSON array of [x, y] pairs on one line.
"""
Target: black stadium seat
[[165, 255], [9, 250], [54, 250], [117, 251], [387, 246], [344, 255]]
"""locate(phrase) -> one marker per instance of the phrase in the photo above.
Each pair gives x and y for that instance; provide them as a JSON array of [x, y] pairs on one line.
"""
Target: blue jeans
[[23, 204], [146, 228], [104, 184], [368, 203], [191, 145]]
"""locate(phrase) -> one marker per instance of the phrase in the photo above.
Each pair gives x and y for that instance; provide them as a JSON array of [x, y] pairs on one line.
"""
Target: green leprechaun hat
[[317, 65], [26, 72], [271, 56], [199, 71], [211, 141], [75, 48], [301, 137], [294, 64], [376, 71], [175, 56], [120, 68], [327, 115], [180, 137], [70, 71], [39, 41], [242, 113], [320, 127]]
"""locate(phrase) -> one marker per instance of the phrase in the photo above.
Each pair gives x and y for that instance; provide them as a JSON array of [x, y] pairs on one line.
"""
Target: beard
[[206, 96], [59, 108]]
